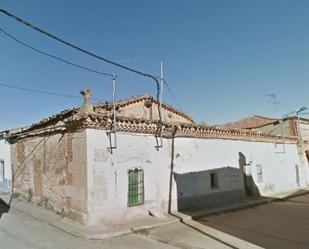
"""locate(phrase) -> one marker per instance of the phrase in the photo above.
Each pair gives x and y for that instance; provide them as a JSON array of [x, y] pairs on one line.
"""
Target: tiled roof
[[250, 122], [134, 125], [57, 118]]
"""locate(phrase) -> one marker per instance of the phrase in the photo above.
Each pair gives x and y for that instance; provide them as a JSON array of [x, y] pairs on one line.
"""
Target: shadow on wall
[[216, 187], [245, 168]]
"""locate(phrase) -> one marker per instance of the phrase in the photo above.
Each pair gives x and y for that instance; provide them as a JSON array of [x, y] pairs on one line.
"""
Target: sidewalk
[[136, 226], [98, 232]]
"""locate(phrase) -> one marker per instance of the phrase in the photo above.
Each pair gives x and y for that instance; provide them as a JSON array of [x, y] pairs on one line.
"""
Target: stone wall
[[51, 171], [139, 110]]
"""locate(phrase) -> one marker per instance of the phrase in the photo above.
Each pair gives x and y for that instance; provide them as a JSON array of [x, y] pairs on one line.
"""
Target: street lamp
[[301, 109], [298, 128]]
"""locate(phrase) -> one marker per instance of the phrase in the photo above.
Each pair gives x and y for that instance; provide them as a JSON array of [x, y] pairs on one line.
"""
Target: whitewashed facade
[[194, 160], [5, 167]]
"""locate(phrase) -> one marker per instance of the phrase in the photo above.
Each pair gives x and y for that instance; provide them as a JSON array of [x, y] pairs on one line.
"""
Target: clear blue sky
[[221, 57]]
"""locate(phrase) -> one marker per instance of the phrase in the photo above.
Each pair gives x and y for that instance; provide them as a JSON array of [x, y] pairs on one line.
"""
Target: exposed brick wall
[[51, 170]]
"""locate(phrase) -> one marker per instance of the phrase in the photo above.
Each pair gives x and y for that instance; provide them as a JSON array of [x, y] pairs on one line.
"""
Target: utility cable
[[38, 91], [74, 64], [91, 54], [172, 94], [53, 56]]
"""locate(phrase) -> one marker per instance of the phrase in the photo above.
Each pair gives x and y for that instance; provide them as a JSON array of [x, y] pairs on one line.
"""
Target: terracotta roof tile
[[250, 122]]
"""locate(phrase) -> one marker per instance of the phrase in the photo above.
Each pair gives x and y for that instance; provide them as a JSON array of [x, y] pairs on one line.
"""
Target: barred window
[[136, 187]]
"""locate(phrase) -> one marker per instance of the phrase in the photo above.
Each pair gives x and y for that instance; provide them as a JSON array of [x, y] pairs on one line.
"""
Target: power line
[[90, 54], [74, 64], [38, 91], [77, 65], [172, 94], [78, 48], [52, 56]]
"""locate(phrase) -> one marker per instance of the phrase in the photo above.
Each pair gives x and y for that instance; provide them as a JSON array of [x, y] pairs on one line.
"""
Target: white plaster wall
[[278, 168], [107, 174], [6, 156]]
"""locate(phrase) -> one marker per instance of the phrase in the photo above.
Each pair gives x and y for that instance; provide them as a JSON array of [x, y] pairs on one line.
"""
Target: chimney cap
[[85, 91]]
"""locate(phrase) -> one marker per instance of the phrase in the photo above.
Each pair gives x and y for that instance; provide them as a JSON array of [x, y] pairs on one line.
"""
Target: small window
[[2, 170], [136, 187], [297, 175], [214, 180], [307, 155], [259, 173]]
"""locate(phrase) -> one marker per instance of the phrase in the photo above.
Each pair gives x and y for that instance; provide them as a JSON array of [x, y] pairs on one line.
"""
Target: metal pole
[[114, 112], [282, 130], [161, 94], [298, 129]]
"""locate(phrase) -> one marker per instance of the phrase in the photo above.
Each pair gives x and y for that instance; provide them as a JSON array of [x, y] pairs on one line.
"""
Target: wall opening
[[2, 170], [307, 155], [297, 175], [135, 187], [214, 183], [259, 173]]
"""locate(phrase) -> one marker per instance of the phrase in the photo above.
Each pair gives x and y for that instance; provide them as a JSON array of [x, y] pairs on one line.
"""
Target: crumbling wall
[[50, 171], [148, 110]]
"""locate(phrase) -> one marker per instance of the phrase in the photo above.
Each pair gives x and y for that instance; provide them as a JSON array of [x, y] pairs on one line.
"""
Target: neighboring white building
[[206, 172], [5, 166]]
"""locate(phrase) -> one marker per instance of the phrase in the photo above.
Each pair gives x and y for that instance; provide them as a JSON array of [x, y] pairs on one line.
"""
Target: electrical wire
[[38, 91], [76, 65], [92, 55], [53, 56], [77, 47], [172, 94]]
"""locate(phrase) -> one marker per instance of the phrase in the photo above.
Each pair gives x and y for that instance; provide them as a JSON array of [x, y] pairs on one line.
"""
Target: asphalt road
[[283, 224]]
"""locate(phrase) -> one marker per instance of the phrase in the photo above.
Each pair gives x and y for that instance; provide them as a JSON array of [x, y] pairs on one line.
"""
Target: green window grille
[[136, 187]]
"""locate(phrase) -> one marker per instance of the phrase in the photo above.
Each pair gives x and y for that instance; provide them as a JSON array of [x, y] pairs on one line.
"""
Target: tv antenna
[[273, 100]]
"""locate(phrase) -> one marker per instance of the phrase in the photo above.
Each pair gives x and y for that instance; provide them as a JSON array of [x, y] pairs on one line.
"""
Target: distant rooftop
[[250, 122]]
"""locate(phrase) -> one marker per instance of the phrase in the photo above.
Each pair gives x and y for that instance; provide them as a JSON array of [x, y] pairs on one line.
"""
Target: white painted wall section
[[5, 156], [195, 159]]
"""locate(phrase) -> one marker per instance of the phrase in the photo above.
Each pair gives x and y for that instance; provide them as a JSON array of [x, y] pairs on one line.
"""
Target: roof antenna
[[273, 100]]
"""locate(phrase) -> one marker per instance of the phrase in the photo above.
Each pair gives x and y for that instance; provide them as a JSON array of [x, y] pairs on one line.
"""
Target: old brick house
[[66, 163]]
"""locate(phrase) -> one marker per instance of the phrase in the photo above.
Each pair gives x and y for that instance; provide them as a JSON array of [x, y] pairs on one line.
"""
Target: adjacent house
[[292, 126], [69, 163], [5, 166]]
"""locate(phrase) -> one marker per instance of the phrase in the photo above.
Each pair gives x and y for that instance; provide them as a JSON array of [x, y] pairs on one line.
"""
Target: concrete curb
[[215, 234], [221, 237], [136, 229], [304, 192]]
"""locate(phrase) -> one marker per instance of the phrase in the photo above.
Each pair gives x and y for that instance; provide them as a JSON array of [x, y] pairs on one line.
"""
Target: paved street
[[275, 225], [18, 230]]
